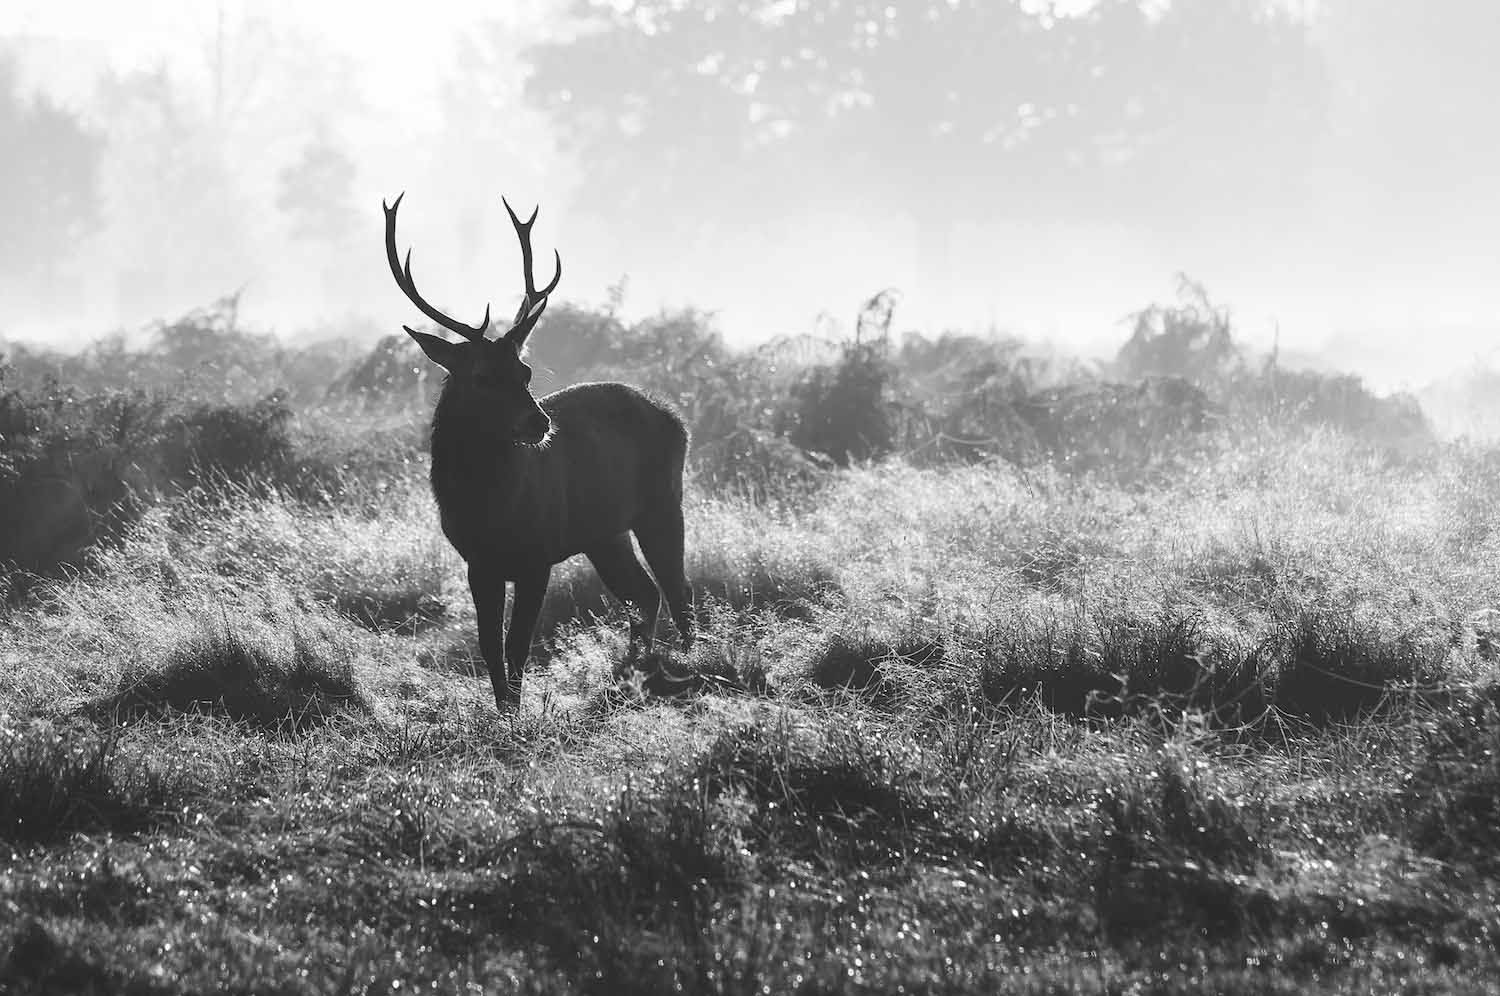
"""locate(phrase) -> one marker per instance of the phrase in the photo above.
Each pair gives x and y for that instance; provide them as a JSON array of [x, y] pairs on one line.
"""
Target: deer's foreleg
[[487, 586], [531, 586]]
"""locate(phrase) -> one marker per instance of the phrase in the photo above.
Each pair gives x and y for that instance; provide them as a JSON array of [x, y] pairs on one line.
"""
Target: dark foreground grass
[[947, 732], [815, 849]]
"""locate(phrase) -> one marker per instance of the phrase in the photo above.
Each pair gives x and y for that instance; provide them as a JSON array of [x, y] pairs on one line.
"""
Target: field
[[973, 726]]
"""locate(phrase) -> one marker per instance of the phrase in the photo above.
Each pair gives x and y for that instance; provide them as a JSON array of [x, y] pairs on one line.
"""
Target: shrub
[[203, 356], [1125, 431], [758, 465], [353, 458], [574, 341], [842, 410], [980, 417], [69, 470], [239, 443], [76, 468], [1192, 340], [394, 373], [1337, 401]]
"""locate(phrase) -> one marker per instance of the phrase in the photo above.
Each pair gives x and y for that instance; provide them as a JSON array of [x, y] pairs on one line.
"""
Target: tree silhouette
[[315, 192], [178, 218], [49, 193], [970, 107]]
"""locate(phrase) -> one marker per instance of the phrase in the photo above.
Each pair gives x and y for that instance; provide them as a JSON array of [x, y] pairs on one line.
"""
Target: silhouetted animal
[[522, 484]]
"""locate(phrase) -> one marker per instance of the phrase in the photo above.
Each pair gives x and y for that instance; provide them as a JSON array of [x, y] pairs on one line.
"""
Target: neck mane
[[469, 462]]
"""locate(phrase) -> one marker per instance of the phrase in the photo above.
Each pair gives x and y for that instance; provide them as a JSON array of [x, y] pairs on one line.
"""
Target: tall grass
[[956, 729]]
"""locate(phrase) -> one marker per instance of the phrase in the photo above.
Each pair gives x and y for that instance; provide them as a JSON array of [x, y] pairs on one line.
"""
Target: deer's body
[[589, 482], [522, 485]]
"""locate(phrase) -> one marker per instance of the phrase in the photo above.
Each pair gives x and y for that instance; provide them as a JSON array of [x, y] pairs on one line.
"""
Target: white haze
[[1400, 282]]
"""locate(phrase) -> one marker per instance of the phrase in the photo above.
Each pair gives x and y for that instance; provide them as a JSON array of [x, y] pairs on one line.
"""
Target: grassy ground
[[971, 730]]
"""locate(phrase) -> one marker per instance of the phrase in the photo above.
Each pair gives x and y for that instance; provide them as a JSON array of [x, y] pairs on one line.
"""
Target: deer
[[523, 483]]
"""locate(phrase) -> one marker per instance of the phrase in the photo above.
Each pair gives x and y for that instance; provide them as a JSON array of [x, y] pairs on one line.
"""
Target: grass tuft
[[1339, 664], [57, 780], [300, 678]]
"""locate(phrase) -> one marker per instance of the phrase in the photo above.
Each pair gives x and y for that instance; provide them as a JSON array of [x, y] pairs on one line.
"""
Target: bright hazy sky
[[384, 41], [1072, 284]]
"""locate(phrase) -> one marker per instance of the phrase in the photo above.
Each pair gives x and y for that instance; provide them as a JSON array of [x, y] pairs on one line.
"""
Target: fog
[[1327, 170]]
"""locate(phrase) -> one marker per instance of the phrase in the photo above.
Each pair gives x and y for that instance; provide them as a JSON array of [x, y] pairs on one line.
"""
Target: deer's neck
[[477, 476]]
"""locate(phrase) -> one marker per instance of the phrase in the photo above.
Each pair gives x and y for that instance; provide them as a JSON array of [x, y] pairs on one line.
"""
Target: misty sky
[[1386, 262]]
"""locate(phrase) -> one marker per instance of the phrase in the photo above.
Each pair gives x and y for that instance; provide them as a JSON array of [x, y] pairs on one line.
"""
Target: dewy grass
[[1454, 792], [987, 731]]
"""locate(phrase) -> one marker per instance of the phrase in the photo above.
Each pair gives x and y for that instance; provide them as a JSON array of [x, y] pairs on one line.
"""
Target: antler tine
[[529, 312], [402, 272]]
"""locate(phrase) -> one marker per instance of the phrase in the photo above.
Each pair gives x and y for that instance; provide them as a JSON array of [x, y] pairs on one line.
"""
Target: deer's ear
[[438, 350]]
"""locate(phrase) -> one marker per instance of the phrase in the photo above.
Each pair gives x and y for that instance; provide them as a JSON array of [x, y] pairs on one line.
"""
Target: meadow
[[1145, 704]]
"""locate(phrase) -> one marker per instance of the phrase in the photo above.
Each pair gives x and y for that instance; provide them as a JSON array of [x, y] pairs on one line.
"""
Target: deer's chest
[[513, 521]]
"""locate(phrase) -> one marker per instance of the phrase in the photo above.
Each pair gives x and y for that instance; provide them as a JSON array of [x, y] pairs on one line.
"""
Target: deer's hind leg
[[661, 541], [628, 581]]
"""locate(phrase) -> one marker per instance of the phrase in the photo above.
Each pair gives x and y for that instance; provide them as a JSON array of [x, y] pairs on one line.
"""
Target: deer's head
[[488, 378]]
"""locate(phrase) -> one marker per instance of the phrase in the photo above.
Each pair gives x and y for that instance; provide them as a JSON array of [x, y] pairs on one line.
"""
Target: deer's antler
[[535, 301], [402, 273]]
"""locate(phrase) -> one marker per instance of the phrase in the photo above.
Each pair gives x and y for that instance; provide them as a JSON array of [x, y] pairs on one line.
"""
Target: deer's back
[[621, 416]]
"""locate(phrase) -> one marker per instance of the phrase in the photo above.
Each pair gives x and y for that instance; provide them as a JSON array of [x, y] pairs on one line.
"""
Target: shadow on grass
[[792, 592], [841, 799], [38, 963], [1317, 665], [402, 611], [55, 781], [1334, 665], [646, 893], [787, 592], [873, 665], [1119, 664]]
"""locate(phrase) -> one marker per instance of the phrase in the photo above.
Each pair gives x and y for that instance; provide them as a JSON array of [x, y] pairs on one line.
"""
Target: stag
[[523, 483]]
